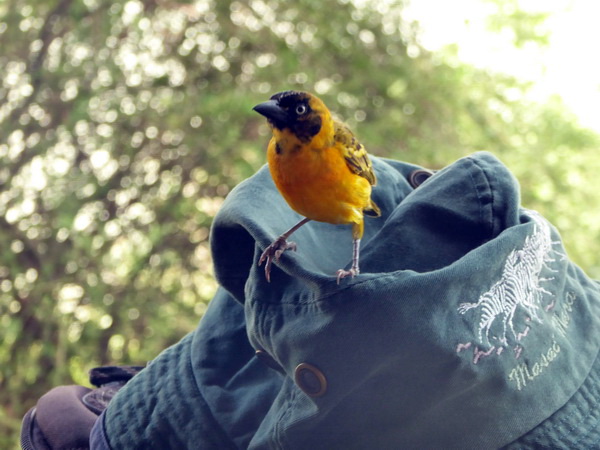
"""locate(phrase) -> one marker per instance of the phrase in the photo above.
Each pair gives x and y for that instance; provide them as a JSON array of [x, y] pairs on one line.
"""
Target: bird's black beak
[[272, 111]]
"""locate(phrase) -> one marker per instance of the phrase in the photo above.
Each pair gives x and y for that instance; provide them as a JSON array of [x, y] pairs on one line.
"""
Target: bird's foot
[[273, 252], [346, 273]]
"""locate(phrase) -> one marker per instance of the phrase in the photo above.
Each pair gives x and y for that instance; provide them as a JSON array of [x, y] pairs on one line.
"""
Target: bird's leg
[[354, 270], [276, 249], [357, 233]]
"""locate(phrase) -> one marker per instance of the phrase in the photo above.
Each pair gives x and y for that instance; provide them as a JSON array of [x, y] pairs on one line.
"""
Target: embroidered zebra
[[518, 286]]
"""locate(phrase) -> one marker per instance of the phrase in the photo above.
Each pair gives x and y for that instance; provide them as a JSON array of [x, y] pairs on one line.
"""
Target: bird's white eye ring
[[300, 109]]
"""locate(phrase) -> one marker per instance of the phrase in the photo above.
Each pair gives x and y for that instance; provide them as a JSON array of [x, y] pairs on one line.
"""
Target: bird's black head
[[298, 111]]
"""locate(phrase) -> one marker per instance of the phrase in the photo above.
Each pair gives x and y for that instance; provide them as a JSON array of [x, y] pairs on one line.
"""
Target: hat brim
[[575, 425]]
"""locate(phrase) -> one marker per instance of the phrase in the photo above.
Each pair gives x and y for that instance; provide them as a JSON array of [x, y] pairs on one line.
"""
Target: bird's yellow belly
[[320, 186]]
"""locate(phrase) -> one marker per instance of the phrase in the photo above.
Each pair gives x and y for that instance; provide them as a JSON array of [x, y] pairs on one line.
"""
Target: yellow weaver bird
[[320, 169]]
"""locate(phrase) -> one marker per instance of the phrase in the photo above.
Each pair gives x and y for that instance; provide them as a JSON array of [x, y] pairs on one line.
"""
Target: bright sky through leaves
[[568, 66]]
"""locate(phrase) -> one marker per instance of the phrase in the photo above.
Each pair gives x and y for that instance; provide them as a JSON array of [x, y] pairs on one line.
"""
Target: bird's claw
[[273, 252], [346, 273]]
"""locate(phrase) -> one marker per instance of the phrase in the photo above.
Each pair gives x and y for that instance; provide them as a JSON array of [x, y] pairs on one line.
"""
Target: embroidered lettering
[[522, 374], [562, 320]]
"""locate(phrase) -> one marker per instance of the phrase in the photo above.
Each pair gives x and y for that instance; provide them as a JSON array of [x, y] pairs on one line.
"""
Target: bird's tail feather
[[372, 210]]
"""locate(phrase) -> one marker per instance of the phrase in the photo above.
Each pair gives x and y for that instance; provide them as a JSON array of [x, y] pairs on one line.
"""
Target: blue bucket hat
[[468, 327]]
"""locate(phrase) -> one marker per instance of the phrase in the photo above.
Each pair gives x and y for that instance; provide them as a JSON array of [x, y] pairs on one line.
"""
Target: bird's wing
[[354, 153]]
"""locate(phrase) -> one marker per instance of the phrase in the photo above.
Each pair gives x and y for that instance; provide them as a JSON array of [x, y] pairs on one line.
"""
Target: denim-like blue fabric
[[98, 439], [468, 327]]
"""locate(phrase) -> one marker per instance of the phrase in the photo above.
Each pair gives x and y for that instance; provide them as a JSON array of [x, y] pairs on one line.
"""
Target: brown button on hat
[[310, 379], [418, 177]]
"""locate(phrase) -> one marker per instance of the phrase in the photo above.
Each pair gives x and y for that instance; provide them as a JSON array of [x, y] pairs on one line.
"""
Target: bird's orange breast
[[318, 184]]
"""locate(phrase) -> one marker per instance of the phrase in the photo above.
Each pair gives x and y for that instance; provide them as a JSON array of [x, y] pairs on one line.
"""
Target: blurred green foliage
[[124, 125]]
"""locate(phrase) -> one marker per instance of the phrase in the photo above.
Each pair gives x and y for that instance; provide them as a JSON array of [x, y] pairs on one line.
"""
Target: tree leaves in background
[[124, 125]]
